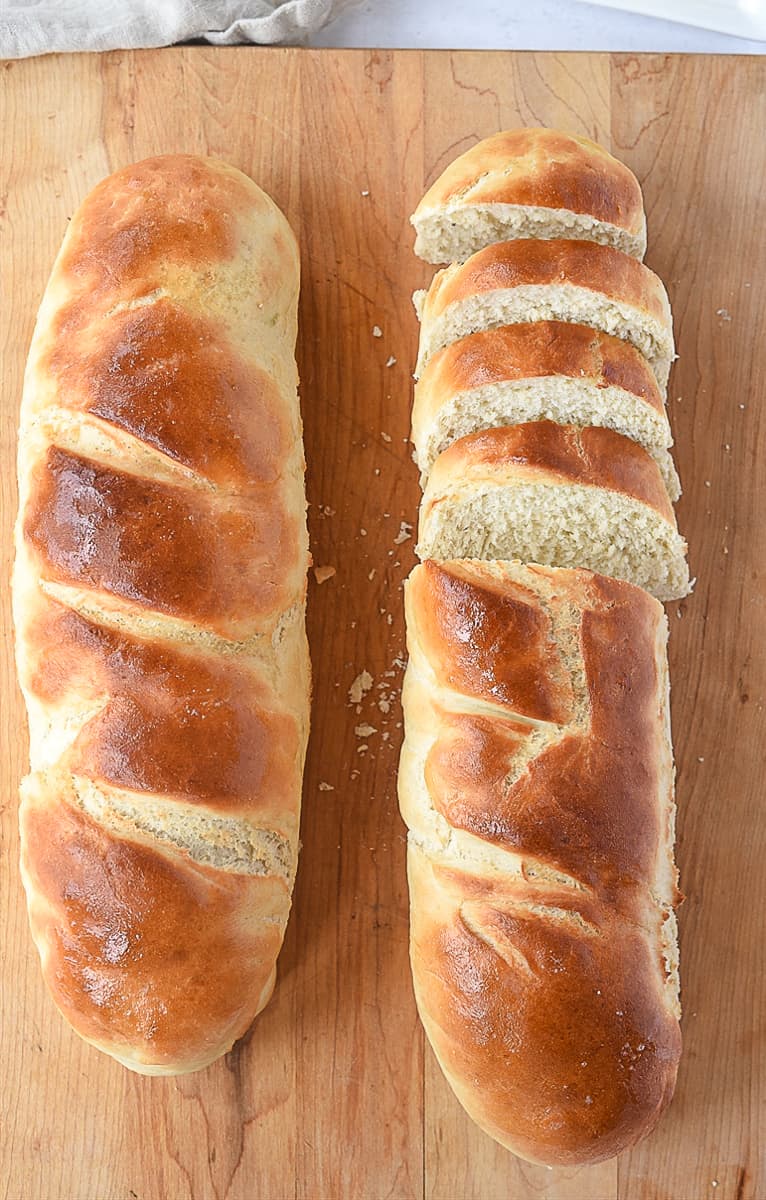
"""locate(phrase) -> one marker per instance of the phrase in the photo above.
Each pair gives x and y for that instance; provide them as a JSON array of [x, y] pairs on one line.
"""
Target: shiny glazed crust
[[537, 783], [159, 595], [542, 168]]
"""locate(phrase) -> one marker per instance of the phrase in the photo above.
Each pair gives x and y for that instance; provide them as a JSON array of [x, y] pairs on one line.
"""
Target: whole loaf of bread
[[159, 599], [536, 779]]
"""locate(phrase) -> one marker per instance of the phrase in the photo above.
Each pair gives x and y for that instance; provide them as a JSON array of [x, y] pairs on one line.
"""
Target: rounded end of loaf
[[530, 183], [144, 233], [157, 959], [141, 1067], [559, 1044], [206, 193]]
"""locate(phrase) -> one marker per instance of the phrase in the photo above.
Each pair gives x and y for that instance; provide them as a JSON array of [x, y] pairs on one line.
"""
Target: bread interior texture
[[550, 302], [560, 526], [557, 398], [454, 233]]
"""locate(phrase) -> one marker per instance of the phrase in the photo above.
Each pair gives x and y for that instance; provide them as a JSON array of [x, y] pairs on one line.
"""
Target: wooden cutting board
[[333, 1095]]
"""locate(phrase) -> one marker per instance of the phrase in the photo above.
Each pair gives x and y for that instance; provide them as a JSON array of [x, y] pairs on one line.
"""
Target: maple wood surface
[[333, 1094]]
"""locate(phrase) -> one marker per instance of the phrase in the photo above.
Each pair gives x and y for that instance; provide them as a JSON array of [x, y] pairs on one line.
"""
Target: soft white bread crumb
[[455, 232], [565, 525], [549, 302], [558, 398]]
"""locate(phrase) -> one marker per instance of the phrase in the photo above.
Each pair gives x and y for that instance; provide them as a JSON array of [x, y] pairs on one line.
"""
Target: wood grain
[[332, 1095]]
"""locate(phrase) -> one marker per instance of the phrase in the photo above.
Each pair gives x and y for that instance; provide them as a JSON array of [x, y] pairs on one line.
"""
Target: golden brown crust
[[168, 209], [541, 168], [167, 719], [546, 452], [534, 351], [549, 981], [151, 365], [493, 659], [535, 262], [159, 590], [572, 807], [168, 548]]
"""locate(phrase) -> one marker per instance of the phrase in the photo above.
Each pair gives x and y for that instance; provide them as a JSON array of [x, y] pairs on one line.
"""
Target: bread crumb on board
[[326, 787], [377, 331], [404, 534], [364, 730], [321, 574], [390, 361], [360, 687]]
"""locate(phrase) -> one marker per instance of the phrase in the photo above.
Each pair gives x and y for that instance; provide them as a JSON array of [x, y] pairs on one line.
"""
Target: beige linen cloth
[[29, 27]]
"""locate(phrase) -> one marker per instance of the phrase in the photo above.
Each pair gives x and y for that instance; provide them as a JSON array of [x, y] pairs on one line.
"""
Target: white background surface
[[518, 25]]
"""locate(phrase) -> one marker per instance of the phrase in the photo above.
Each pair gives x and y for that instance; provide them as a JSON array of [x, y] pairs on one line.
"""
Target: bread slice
[[559, 496], [531, 280], [539, 183], [546, 370]]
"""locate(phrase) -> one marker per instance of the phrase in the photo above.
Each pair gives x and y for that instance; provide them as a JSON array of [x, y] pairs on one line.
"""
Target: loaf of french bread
[[159, 595], [536, 776]]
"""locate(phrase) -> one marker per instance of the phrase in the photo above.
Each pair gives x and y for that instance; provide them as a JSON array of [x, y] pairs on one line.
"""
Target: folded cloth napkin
[[30, 27]]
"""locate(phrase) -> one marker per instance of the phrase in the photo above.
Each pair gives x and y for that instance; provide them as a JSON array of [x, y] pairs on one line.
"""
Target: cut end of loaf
[[442, 417], [558, 495], [530, 279]]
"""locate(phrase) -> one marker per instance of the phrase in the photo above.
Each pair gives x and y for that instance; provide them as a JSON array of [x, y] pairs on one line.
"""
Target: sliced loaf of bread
[[536, 280], [545, 370], [538, 183], [556, 495]]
